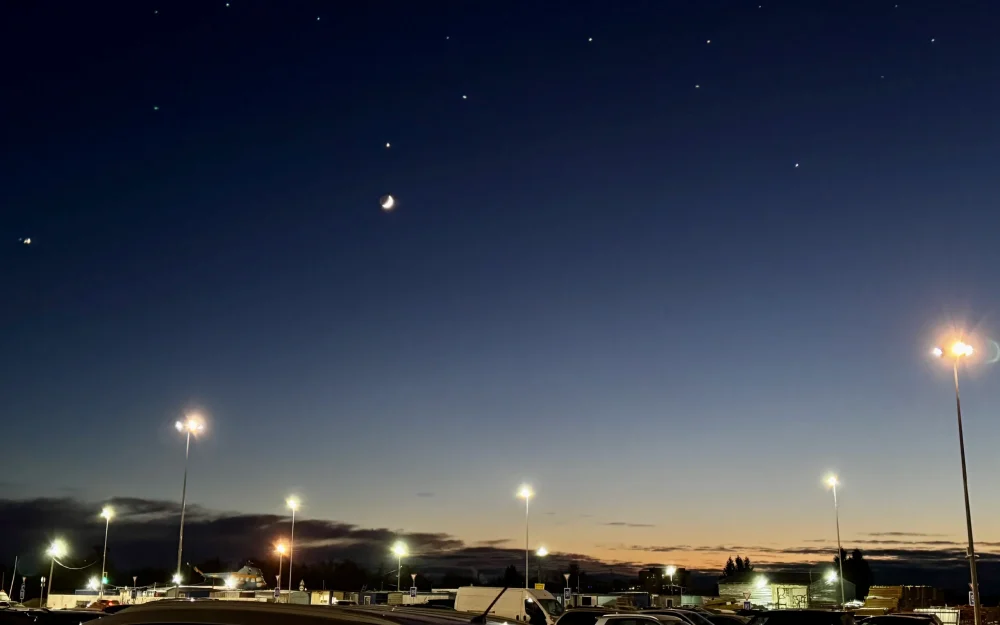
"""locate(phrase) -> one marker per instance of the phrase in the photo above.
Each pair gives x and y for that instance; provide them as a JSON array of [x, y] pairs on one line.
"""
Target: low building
[[783, 591]]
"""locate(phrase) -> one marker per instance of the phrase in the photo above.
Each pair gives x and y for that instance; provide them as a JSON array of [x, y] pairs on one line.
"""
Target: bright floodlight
[[191, 424], [832, 481], [93, 583], [937, 352], [542, 552], [399, 549], [831, 576], [961, 349], [176, 578], [671, 570], [57, 549], [292, 502], [281, 548], [230, 582], [107, 513], [525, 492], [761, 581]]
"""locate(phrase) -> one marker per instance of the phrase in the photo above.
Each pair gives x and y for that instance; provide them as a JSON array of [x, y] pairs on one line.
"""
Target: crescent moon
[[388, 202]]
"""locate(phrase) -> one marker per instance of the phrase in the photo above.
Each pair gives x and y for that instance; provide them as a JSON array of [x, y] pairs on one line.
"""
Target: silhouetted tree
[[730, 569], [857, 571], [747, 565], [739, 565]]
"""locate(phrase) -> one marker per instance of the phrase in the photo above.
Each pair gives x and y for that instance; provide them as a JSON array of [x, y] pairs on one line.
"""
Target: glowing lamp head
[[961, 349], [831, 576], [177, 579], [671, 570], [281, 548], [542, 552], [57, 549], [832, 481], [107, 512], [292, 503], [230, 582], [761, 582], [525, 492], [192, 424], [399, 549], [937, 352], [93, 584]]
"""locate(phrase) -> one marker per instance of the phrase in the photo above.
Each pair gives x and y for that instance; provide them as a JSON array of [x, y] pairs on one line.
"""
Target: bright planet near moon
[[387, 202]]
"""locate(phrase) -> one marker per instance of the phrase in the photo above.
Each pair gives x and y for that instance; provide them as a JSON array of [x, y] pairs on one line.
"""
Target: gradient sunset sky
[[668, 262]]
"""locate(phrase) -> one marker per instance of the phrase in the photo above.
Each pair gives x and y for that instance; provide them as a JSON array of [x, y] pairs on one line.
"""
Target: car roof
[[253, 613]]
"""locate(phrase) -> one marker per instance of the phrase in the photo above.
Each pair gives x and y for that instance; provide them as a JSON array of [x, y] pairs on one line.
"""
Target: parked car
[[802, 617], [691, 617], [639, 618], [581, 616], [725, 619], [254, 613], [910, 618]]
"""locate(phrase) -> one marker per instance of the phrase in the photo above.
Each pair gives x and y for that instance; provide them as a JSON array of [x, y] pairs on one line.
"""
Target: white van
[[518, 605]]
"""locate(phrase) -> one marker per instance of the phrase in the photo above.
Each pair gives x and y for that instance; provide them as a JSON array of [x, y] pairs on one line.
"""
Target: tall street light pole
[[400, 550], [56, 550], [958, 350], [280, 549], [832, 483], [106, 514], [191, 425], [293, 503], [526, 493], [670, 573]]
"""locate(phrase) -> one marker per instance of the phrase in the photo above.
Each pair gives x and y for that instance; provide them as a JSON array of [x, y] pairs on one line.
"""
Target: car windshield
[[551, 606]]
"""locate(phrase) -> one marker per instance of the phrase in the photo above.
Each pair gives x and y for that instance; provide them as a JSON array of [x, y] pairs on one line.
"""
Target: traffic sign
[[746, 596], [413, 591], [135, 593], [972, 598], [747, 605], [277, 593], [23, 580], [539, 586], [567, 595]]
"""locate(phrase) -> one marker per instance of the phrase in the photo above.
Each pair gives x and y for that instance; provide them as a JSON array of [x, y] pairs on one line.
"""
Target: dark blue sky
[[640, 269]]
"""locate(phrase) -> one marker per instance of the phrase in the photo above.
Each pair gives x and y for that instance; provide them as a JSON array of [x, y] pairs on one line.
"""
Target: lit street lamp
[[832, 482], [670, 573], [541, 553], [280, 550], [526, 493], [400, 550], [106, 514], [831, 576], [293, 503], [957, 351], [191, 425], [56, 550]]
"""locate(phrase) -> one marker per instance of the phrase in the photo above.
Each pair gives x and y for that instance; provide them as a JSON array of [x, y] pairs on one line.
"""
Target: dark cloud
[[625, 524], [144, 533]]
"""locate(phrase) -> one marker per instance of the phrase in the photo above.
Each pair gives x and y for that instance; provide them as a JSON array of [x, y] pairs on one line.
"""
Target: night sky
[[668, 261]]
